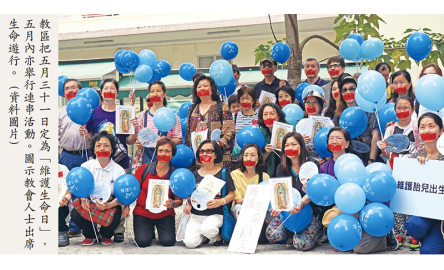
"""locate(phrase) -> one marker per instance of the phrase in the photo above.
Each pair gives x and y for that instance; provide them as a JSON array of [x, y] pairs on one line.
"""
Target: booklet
[[267, 97], [212, 184], [310, 126], [278, 133], [124, 114], [157, 195], [281, 193]]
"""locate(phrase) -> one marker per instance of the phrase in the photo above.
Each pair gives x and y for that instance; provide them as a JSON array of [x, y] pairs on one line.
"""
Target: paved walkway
[[129, 247]]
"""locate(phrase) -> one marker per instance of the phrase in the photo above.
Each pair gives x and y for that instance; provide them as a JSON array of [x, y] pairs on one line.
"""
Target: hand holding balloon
[[85, 204], [126, 212]]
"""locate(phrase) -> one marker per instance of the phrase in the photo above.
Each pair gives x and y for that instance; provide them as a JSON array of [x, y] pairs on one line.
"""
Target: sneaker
[[72, 234], [414, 244], [401, 241], [63, 239], [88, 242], [118, 237], [392, 243], [107, 241]]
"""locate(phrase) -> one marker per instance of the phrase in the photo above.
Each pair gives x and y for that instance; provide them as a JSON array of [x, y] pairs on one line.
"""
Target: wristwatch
[[372, 160]]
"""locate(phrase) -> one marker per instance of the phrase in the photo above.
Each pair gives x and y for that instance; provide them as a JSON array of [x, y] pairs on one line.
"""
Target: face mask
[[310, 72], [205, 158], [71, 95], [109, 95], [292, 153], [267, 72], [403, 115], [428, 137], [311, 109], [401, 90], [203, 93], [249, 163], [336, 95], [254, 122], [155, 99], [349, 96], [333, 72], [333, 147], [163, 158], [246, 105], [269, 122], [283, 103], [103, 153], [150, 104]]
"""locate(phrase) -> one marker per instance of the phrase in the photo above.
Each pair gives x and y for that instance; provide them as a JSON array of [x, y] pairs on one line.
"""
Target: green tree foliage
[[262, 51]]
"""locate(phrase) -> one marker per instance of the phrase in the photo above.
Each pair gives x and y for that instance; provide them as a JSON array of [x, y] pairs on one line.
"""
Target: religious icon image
[[156, 198], [209, 186], [198, 140], [266, 100], [281, 195], [125, 123], [316, 127], [280, 134]]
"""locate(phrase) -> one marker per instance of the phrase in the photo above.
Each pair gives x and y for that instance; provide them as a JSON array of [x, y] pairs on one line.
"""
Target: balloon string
[[94, 229], [357, 70], [84, 145], [131, 230], [281, 224], [377, 118]]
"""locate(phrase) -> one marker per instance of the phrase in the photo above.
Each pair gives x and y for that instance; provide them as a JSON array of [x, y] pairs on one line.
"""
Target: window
[[206, 61]]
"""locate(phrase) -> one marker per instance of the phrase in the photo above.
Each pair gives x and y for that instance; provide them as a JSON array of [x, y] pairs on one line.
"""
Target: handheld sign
[[215, 135], [148, 137], [360, 147], [200, 198], [281, 194], [397, 143], [307, 171], [296, 198], [157, 195], [440, 144], [101, 192]]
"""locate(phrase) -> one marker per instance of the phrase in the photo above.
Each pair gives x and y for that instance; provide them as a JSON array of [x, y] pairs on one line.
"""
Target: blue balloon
[[266, 182], [184, 157], [126, 189], [183, 125], [387, 114], [147, 57], [129, 60], [164, 119], [161, 68], [62, 80], [377, 166], [370, 106], [143, 73], [250, 134], [418, 46], [228, 89], [344, 232], [357, 37], [184, 108], [299, 90], [380, 186], [229, 50], [350, 198], [182, 183], [293, 113], [221, 72], [371, 49], [321, 189], [187, 71], [154, 78], [79, 110], [80, 182], [349, 49], [381, 44], [297, 222], [354, 120], [320, 143], [429, 92], [312, 88], [280, 52], [351, 171], [118, 63], [91, 96], [371, 86], [377, 219], [343, 159], [174, 111]]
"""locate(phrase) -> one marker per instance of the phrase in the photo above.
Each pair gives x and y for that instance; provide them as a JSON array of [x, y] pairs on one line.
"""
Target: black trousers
[[144, 229], [87, 227], [63, 213]]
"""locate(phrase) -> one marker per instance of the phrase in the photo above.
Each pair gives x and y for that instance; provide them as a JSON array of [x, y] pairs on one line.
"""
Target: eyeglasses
[[351, 89], [206, 151], [403, 108], [425, 74], [246, 99], [71, 88], [167, 152], [267, 65], [333, 66], [338, 139]]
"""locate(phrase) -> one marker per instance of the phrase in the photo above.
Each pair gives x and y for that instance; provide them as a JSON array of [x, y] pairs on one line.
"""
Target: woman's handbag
[[228, 220]]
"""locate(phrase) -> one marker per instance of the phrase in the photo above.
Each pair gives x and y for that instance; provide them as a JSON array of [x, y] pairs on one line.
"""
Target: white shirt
[[423, 110], [108, 175]]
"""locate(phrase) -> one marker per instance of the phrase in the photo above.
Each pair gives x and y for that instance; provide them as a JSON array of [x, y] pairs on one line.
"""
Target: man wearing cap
[[270, 82], [335, 67], [312, 68], [70, 141], [236, 75]]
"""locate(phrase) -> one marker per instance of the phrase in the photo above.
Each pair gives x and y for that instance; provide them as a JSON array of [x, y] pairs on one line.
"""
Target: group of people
[[244, 166]]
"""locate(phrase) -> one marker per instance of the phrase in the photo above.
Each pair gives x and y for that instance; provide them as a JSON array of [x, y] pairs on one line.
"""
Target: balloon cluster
[[81, 107], [354, 48], [355, 185]]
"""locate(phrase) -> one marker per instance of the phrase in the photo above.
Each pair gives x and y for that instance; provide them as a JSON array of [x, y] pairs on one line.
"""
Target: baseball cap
[[314, 93], [269, 59], [235, 68], [345, 78]]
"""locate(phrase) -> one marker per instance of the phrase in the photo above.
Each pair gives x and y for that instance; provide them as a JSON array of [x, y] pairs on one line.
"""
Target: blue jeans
[[72, 161], [428, 232]]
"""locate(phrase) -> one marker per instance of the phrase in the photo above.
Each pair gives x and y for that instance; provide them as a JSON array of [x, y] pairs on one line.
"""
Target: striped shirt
[[175, 132], [245, 120]]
